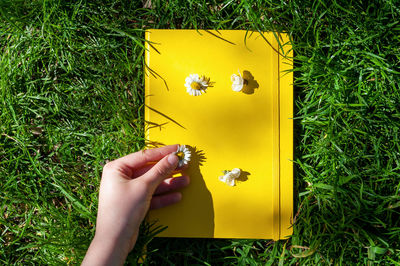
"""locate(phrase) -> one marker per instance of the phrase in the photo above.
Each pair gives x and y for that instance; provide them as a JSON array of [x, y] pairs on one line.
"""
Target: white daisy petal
[[204, 83]]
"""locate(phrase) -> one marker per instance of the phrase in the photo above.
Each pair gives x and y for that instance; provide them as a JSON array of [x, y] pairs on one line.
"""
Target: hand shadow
[[251, 84], [199, 211], [193, 216]]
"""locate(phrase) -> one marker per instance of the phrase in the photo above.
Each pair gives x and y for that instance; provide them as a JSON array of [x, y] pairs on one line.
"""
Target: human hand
[[129, 187]]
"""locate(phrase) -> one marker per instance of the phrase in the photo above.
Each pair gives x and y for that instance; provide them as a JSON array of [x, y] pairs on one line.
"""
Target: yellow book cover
[[225, 129]]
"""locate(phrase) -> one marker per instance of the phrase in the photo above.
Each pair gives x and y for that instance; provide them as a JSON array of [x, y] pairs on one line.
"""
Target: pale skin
[[129, 187]]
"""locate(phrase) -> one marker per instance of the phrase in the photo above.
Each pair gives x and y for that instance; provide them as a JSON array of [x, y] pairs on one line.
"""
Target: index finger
[[141, 158]]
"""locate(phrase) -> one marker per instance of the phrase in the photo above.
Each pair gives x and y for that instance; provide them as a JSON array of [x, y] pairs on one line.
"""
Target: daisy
[[183, 154], [196, 85], [238, 82], [229, 177]]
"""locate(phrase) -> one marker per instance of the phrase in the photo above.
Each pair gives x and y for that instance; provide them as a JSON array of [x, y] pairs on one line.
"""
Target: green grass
[[71, 98]]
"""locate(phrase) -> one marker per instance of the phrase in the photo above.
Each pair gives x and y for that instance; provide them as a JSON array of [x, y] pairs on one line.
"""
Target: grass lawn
[[71, 98]]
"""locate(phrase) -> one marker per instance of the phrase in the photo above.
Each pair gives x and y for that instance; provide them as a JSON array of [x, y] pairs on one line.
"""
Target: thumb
[[162, 170]]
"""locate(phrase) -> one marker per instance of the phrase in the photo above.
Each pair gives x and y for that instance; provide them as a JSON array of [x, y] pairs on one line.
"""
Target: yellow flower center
[[195, 85], [180, 155]]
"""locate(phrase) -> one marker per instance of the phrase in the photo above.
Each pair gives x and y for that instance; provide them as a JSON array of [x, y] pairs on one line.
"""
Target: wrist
[[106, 250]]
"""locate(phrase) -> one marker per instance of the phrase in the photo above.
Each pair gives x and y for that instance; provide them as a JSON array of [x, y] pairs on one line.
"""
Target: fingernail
[[173, 159]]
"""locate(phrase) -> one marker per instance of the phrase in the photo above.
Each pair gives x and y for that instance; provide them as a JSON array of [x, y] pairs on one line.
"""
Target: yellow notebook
[[251, 130]]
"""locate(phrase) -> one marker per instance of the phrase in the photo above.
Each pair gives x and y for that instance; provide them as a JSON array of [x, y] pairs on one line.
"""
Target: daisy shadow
[[198, 156], [244, 176], [251, 84], [209, 81]]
